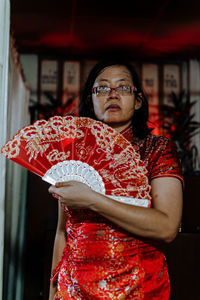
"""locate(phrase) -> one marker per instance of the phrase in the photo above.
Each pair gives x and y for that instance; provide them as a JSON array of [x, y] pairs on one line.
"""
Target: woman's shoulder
[[152, 140], [155, 146], [164, 160], [157, 138]]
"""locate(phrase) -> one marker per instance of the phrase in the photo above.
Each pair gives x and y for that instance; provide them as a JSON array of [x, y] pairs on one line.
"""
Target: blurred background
[[47, 49]]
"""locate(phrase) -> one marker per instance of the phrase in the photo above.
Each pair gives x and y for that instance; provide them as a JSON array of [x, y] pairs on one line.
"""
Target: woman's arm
[[159, 222], [59, 244]]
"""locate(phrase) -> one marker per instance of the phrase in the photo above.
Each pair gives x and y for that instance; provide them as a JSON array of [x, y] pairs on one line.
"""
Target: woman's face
[[114, 109]]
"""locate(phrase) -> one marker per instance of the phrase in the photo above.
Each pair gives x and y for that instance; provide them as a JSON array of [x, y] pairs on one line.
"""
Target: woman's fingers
[[71, 193], [52, 189], [61, 184], [57, 190]]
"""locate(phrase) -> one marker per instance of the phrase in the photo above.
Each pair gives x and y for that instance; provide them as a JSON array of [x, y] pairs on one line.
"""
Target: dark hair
[[140, 118]]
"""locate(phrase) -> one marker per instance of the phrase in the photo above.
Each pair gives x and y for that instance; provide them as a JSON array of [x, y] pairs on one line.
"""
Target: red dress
[[102, 260]]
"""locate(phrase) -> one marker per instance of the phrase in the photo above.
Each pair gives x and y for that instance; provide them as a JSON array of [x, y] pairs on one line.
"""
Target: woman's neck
[[119, 127]]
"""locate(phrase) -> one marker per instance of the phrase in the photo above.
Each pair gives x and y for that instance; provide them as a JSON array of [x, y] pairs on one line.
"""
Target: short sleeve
[[166, 161]]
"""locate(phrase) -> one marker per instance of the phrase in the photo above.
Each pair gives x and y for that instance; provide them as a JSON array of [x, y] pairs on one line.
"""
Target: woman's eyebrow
[[124, 79], [121, 79], [102, 79]]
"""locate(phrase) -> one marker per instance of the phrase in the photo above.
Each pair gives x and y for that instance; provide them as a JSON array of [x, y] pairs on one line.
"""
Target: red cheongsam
[[102, 260]]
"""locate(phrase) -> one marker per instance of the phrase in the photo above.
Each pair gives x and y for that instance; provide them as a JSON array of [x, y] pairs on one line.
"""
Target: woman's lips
[[113, 107]]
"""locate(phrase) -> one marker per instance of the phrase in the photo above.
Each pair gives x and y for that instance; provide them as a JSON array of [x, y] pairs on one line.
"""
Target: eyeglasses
[[122, 90]]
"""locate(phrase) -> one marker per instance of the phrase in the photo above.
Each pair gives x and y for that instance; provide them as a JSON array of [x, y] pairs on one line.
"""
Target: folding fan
[[82, 149]]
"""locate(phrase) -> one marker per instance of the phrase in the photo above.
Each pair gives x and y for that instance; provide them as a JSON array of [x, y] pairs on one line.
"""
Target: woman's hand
[[159, 222], [73, 193]]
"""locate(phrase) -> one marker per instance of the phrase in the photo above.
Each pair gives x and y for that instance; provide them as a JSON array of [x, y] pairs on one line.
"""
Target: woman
[[130, 264]]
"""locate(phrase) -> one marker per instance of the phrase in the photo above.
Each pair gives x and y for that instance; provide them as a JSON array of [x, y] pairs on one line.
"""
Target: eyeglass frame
[[133, 88]]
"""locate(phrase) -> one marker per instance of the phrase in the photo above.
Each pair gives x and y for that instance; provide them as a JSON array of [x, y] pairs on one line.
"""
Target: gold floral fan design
[[82, 149]]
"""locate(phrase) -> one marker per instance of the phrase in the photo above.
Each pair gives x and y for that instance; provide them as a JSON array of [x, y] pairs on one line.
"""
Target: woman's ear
[[138, 101]]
